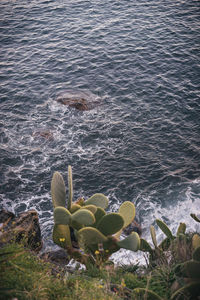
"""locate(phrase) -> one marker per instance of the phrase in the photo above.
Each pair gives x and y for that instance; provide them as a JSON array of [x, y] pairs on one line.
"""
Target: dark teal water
[[141, 60]]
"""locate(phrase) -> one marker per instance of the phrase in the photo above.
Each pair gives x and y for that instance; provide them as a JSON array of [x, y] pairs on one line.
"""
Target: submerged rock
[[81, 101], [43, 134], [78, 103], [24, 227]]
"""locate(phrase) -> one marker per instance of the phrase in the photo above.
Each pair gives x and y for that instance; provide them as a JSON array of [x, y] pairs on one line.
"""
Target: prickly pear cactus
[[86, 223]]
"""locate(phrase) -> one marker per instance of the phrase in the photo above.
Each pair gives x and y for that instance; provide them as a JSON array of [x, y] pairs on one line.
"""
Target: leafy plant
[[86, 224]]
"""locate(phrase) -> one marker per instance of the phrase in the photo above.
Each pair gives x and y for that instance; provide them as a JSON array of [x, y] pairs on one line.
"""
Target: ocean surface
[[141, 61]]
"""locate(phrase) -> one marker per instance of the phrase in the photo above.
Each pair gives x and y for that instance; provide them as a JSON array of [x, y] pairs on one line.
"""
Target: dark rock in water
[[24, 227], [81, 101], [78, 103], [58, 257], [43, 134], [133, 227]]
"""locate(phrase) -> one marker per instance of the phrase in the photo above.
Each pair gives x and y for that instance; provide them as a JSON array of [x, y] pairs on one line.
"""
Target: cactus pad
[[98, 200], [58, 191], [127, 210], [191, 269], [98, 215], [165, 229], [61, 236], [195, 241], [70, 188], [62, 216], [144, 246], [131, 242], [110, 223], [91, 208], [181, 228], [194, 216], [90, 235], [153, 236], [164, 245], [83, 216], [74, 208]]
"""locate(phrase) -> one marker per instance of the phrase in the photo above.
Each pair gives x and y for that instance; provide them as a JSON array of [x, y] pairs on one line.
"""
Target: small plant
[[84, 229]]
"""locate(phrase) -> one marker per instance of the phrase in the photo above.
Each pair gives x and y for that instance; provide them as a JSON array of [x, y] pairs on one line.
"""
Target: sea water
[[140, 60]]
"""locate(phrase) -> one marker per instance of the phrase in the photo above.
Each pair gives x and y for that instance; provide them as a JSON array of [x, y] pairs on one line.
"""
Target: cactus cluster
[[96, 232], [174, 244]]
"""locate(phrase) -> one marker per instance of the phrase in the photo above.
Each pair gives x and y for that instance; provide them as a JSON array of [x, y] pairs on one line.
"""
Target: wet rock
[[24, 227], [80, 100], [133, 227], [78, 103], [6, 215], [58, 257]]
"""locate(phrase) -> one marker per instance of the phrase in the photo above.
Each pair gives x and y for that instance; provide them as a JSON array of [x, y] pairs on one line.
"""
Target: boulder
[[80, 100], [78, 103], [24, 227]]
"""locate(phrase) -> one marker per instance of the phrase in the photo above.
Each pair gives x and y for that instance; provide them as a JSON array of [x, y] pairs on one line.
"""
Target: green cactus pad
[[191, 288], [131, 242], [98, 215], [127, 210], [110, 223], [91, 208], [145, 247], [165, 229], [61, 236], [90, 235], [191, 269], [194, 216], [153, 236], [75, 225], [181, 228], [98, 199], [196, 254], [164, 245], [83, 216], [195, 241], [58, 191], [74, 208], [62, 216], [70, 188]]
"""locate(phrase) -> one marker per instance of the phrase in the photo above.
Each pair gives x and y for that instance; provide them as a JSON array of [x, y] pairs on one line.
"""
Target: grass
[[24, 276]]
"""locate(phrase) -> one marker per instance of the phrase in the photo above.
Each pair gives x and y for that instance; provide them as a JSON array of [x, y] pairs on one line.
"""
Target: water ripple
[[141, 59]]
